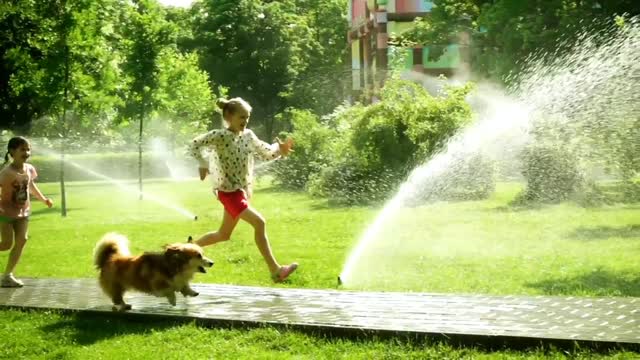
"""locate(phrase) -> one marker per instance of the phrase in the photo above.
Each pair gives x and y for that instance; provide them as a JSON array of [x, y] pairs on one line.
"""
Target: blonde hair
[[231, 106]]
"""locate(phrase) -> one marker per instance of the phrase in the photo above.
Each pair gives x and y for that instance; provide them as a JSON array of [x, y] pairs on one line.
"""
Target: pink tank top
[[14, 197]]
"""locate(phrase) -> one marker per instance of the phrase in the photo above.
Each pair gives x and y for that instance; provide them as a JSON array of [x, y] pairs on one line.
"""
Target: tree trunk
[[63, 194], [140, 155]]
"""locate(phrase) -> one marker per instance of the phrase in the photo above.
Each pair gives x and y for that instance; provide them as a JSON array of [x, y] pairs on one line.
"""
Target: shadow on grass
[[52, 210], [89, 328], [599, 196], [330, 204], [605, 232], [273, 189], [596, 283], [520, 207]]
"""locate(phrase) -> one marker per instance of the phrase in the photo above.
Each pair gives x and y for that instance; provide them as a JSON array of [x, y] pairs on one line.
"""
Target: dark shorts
[[235, 202], [10, 220]]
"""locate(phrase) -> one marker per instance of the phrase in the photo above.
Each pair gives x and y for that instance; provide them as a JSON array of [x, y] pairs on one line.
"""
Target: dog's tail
[[111, 244]]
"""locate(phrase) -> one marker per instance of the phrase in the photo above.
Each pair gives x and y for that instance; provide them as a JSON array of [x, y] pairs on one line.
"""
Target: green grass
[[55, 336], [494, 248], [464, 247]]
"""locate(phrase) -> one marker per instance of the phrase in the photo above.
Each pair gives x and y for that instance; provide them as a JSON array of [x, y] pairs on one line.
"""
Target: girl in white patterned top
[[235, 146]]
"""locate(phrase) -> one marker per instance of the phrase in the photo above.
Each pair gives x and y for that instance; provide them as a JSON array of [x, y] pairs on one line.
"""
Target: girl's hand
[[286, 146], [48, 202], [203, 173]]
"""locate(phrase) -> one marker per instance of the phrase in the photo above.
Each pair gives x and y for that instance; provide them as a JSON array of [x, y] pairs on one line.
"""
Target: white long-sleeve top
[[235, 153]]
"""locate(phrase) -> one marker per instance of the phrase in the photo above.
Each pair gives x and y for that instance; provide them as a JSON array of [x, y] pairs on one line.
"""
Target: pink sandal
[[283, 273]]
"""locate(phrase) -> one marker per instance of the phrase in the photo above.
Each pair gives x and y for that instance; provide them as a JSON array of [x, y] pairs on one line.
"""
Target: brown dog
[[160, 274]]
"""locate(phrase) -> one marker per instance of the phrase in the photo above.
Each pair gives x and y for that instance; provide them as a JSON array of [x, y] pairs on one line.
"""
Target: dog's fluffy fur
[[160, 274]]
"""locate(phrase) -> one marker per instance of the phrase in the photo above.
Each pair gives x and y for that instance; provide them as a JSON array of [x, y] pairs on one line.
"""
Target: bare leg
[[253, 217], [20, 230], [7, 236], [223, 234]]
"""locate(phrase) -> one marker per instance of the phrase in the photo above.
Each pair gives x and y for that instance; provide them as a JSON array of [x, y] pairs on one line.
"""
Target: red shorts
[[235, 202]]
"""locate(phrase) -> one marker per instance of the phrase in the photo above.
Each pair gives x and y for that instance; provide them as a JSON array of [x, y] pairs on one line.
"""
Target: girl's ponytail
[[222, 104]]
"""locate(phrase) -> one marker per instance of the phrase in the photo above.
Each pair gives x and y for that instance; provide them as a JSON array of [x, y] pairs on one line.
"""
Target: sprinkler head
[[195, 218], [339, 280]]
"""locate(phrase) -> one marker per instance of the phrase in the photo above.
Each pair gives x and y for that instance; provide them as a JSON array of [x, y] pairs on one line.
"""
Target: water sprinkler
[[195, 218], [339, 280]]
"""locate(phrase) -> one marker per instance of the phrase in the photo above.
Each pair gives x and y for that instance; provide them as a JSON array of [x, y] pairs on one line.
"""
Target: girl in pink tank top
[[16, 185]]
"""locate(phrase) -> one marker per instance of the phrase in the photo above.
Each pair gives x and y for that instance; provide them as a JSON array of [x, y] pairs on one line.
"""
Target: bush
[[387, 139], [114, 165], [362, 153], [312, 149], [470, 177], [348, 183], [552, 174]]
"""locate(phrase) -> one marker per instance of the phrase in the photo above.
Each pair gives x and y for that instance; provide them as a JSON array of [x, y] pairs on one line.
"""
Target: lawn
[[465, 247]]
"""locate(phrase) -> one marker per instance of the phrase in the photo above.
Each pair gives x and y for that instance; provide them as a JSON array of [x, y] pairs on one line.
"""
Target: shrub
[[552, 173], [388, 138], [312, 149], [470, 177], [347, 183]]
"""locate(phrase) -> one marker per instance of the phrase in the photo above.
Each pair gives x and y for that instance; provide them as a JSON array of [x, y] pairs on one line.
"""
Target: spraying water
[[594, 88], [127, 188], [179, 169]]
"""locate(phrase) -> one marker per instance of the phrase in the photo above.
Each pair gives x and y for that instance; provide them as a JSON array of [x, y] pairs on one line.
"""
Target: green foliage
[[324, 81], [313, 149], [377, 145], [146, 34], [504, 33], [615, 142], [466, 177], [274, 54], [185, 101], [552, 173], [68, 62]]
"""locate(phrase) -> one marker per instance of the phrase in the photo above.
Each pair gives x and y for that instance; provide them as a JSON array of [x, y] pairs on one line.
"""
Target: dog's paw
[[172, 299], [121, 307]]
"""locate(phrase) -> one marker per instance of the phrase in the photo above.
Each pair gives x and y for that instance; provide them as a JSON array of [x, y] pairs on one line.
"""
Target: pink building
[[371, 23]]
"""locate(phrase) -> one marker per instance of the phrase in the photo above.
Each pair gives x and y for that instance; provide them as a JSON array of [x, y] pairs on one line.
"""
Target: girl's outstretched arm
[[268, 151]]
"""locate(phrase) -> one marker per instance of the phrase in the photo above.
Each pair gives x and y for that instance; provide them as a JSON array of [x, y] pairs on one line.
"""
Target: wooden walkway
[[478, 318]]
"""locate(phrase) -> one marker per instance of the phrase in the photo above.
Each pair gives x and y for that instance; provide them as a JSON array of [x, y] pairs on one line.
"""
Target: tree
[[269, 51], [184, 98], [325, 79], [67, 68], [505, 33], [27, 35], [147, 34]]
